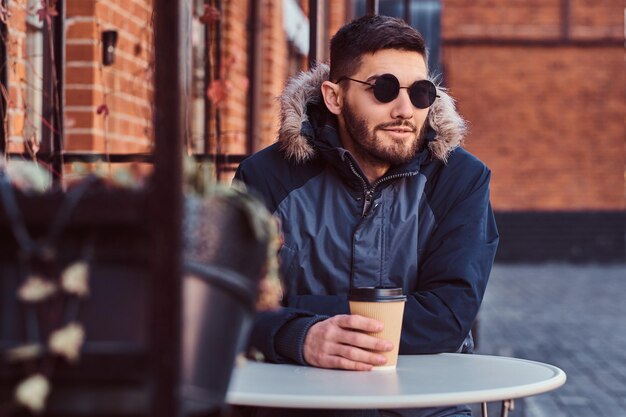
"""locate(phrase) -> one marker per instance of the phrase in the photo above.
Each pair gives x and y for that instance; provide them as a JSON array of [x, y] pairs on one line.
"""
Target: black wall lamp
[[109, 41]]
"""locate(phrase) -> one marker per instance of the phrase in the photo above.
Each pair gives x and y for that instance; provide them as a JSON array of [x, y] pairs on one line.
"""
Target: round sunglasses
[[387, 87]]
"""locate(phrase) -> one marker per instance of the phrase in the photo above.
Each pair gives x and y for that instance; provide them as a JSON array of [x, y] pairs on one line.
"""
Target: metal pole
[[255, 73], [219, 76], [484, 410], [507, 405], [54, 64], [372, 7], [313, 20], [166, 204], [5, 84], [407, 11], [208, 77]]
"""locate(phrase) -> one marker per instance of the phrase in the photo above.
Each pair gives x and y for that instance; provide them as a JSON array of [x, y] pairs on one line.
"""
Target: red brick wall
[[535, 19], [234, 46], [597, 19], [554, 137], [125, 87], [532, 19], [274, 68], [234, 113], [540, 81], [16, 77], [338, 15], [547, 118]]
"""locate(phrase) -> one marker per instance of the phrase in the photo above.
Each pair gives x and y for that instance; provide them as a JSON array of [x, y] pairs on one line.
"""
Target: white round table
[[418, 381]]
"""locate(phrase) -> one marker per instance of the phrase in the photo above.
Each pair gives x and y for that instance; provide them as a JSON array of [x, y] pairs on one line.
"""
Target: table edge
[[425, 400]]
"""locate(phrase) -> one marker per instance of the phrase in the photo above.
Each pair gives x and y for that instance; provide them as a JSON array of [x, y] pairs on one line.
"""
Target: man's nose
[[402, 106]]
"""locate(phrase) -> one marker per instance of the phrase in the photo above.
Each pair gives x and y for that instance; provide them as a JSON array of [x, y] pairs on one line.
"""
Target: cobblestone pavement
[[571, 316]]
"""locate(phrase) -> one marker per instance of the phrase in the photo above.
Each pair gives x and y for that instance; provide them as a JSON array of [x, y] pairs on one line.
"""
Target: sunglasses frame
[[396, 85]]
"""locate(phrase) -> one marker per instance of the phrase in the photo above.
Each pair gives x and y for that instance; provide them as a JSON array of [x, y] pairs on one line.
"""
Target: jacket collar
[[303, 114]]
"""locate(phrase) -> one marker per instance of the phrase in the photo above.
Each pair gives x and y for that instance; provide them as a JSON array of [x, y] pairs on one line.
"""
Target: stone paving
[[571, 316]]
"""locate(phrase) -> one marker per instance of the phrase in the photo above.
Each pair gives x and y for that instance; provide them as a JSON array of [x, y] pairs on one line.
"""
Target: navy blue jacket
[[426, 226]]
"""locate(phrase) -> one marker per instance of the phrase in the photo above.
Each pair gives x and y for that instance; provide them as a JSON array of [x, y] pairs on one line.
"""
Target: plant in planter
[[49, 288], [230, 255], [46, 271], [226, 226]]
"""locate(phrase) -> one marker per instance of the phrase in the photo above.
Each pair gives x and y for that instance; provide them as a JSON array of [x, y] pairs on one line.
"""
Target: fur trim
[[304, 89], [449, 126]]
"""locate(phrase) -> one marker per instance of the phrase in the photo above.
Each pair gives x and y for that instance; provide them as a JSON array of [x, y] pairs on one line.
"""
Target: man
[[372, 188]]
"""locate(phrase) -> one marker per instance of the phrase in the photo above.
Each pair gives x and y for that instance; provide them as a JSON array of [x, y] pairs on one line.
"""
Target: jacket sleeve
[[279, 335], [453, 270]]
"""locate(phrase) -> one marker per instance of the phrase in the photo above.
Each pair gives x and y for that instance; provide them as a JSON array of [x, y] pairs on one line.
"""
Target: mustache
[[399, 123]]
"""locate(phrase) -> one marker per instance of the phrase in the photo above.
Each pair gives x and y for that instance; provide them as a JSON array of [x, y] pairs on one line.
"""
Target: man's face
[[383, 133]]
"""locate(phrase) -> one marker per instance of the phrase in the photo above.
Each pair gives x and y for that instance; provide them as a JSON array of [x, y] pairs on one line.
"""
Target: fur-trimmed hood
[[304, 90]]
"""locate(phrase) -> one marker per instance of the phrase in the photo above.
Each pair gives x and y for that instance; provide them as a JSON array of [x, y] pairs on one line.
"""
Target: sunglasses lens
[[423, 94], [386, 88]]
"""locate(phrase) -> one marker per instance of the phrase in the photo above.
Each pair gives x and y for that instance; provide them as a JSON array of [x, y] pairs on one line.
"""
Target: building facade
[[541, 83]]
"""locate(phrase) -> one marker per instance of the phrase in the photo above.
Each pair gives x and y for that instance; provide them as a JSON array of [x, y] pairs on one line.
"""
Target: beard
[[374, 150]]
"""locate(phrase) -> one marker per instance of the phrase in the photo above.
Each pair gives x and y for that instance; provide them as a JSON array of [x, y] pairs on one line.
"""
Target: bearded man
[[372, 188]]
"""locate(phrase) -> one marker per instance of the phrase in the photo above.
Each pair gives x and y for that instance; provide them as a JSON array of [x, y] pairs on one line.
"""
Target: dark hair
[[369, 34]]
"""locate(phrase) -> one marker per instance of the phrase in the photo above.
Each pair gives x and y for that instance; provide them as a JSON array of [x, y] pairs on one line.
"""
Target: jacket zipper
[[368, 192]]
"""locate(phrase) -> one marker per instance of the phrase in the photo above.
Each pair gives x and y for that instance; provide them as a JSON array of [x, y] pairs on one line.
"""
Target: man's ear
[[332, 97]]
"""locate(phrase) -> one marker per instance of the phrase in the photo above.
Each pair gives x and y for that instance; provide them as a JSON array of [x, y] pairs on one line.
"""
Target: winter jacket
[[426, 226]]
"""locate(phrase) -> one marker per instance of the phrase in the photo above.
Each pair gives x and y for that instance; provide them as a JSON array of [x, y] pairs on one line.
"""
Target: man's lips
[[404, 128], [400, 130]]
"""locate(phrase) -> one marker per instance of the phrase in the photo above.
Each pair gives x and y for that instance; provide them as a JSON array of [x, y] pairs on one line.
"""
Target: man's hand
[[340, 342]]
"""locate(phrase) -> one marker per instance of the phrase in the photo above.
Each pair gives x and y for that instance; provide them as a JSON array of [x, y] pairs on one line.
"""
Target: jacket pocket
[[287, 257]]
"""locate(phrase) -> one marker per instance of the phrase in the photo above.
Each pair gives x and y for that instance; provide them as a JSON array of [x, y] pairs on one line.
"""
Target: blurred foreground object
[[230, 245]]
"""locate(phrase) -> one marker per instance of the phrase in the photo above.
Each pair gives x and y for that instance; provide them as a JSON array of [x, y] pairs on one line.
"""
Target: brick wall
[[16, 77], [533, 19], [548, 121], [234, 46], [540, 81], [338, 15], [544, 97], [274, 69], [124, 88]]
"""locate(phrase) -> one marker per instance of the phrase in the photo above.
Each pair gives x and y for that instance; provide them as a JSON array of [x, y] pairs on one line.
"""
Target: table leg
[[507, 405], [483, 409]]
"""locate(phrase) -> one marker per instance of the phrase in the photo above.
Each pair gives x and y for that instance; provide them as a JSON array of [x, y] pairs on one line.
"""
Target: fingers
[[356, 322], [338, 362], [339, 342], [361, 324]]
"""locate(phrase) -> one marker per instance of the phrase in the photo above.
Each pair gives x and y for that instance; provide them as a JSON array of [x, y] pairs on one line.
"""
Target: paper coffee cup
[[385, 305]]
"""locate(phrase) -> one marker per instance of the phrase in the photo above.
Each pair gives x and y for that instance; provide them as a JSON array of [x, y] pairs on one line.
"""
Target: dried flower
[[36, 289], [211, 15], [32, 392], [75, 279], [24, 352], [47, 11], [67, 341], [4, 14], [240, 361], [256, 355], [270, 294], [103, 109], [218, 91]]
